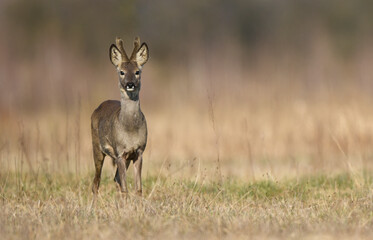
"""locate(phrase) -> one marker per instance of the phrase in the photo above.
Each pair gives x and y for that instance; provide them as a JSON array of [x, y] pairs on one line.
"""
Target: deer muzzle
[[130, 87]]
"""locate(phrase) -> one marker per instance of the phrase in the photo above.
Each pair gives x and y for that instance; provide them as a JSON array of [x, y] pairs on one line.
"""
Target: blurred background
[[242, 89]]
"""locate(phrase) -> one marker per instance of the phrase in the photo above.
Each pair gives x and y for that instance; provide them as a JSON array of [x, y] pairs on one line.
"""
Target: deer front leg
[[137, 169], [122, 174], [117, 178]]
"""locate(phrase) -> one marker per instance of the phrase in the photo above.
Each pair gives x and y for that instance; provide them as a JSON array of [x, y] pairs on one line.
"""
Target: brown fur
[[119, 127]]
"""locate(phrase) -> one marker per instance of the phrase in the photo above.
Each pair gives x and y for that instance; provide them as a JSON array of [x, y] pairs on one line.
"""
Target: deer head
[[129, 68]]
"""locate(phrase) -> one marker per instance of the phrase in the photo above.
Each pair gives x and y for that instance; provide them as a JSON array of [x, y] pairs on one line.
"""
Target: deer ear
[[142, 55], [115, 55]]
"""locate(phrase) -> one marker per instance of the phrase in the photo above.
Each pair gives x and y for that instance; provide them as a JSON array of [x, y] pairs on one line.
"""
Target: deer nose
[[130, 85]]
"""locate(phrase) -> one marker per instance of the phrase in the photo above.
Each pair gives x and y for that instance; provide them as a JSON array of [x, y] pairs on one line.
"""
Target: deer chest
[[131, 141]]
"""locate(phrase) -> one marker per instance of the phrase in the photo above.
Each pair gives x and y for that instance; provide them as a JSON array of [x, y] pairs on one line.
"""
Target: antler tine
[[119, 43], [136, 46]]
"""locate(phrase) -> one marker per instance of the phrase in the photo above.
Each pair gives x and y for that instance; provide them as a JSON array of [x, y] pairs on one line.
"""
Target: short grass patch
[[58, 206]]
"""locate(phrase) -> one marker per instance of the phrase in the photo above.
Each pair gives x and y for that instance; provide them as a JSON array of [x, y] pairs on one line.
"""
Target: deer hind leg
[[98, 157]]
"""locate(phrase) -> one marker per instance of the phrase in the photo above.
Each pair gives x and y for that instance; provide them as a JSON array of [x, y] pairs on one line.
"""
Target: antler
[[119, 43], [136, 46]]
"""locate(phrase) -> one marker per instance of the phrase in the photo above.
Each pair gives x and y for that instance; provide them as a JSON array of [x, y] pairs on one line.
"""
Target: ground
[[312, 207]]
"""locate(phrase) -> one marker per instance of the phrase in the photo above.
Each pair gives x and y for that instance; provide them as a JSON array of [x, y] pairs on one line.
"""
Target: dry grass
[[255, 133], [288, 169], [317, 207], [255, 154]]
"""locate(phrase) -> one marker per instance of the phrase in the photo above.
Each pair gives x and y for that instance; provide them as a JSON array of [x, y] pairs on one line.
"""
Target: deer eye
[[137, 72], [121, 73]]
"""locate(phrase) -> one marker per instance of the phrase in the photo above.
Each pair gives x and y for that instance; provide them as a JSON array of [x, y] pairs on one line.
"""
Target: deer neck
[[130, 112]]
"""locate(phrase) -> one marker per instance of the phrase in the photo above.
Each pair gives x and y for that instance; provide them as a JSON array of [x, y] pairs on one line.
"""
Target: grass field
[[273, 168], [314, 207], [259, 113], [281, 150]]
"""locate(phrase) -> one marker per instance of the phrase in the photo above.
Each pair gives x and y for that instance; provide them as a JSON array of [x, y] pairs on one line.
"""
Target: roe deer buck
[[119, 127]]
